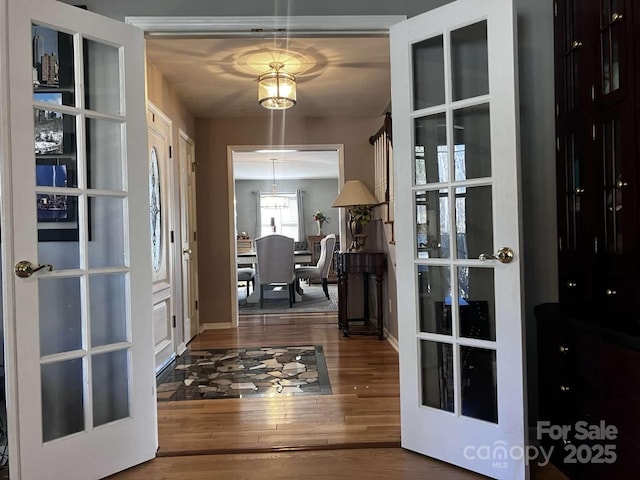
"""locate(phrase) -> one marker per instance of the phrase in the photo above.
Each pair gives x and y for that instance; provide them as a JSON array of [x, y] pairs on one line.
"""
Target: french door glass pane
[[102, 77], [428, 73], [470, 61], [432, 224], [62, 399], [104, 154], [476, 300], [108, 300], [106, 231], [474, 221], [613, 187], [431, 153], [479, 383], [434, 290], [110, 375], [60, 315], [58, 230], [436, 369], [55, 148], [472, 153], [53, 66]]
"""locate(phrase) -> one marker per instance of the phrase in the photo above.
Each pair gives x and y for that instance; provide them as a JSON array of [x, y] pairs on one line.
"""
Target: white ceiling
[[302, 165], [336, 77]]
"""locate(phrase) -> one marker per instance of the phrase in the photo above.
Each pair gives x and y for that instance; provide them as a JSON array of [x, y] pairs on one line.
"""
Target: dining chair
[[275, 264], [319, 271], [248, 275]]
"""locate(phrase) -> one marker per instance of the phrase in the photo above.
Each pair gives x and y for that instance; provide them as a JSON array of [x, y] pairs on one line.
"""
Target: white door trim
[[231, 202], [248, 26], [7, 255]]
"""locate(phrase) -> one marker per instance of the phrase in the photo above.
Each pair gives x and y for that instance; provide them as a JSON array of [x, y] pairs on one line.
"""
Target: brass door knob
[[24, 268], [504, 255]]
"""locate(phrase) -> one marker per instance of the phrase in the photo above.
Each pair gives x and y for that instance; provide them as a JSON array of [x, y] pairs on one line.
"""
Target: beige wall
[[215, 237], [163, 96]]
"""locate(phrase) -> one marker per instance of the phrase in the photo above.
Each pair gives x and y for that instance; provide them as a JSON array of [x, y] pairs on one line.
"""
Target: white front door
[[85, 375], [189, 234], [163, 209], [455, 122]]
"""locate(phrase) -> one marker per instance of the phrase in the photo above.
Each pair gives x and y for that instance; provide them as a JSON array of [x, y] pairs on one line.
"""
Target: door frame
[[6, 254], [257, 26], [233, 264], [173, 273], [191, 210]]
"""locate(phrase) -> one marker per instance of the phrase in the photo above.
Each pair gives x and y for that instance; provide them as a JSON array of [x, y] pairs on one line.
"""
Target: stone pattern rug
[[245, 373]]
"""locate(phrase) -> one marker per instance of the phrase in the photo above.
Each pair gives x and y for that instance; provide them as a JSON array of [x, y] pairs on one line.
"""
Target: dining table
[[300, 257]]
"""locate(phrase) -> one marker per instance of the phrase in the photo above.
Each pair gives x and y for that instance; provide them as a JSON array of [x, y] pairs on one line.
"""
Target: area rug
[[244, 373], [313, 301]]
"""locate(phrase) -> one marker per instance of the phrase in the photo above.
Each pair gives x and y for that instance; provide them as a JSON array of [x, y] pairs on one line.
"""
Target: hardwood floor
[[354, 433], [364, 409]]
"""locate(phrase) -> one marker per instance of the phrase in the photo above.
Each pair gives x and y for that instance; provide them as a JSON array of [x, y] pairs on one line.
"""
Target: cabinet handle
[[576, 44], [616, 17], [610, 292], [564, 388], [564, 349]]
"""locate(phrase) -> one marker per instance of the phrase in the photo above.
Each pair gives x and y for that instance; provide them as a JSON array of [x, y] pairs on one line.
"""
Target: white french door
[[456, 170], [80, 214]]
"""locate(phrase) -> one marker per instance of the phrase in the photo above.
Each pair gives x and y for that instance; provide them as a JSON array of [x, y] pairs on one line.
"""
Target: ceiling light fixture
[[276, 88], [274, 200]]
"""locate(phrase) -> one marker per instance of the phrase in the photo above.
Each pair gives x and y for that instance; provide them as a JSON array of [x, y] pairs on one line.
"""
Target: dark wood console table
[[365, 264]]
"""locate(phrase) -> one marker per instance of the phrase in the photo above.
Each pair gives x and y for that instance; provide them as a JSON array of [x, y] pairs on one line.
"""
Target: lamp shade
[[354, 192], [276, 88]]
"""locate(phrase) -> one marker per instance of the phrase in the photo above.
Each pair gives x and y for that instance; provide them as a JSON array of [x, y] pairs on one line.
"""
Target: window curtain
[[302, 236], [258, 214]]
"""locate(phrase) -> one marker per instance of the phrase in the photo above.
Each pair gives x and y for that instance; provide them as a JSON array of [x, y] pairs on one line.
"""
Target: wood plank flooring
[[354, 433], [363, 410]]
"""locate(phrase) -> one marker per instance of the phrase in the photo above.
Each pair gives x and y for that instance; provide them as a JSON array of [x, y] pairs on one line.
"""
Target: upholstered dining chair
[[248, 275], [321, 270], [275, 262]]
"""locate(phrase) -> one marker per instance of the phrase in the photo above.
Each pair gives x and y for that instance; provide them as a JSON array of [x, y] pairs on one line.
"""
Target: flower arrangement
[[360, 214], [320, 216]]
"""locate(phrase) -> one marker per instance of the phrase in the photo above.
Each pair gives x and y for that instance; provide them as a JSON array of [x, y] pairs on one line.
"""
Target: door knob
[[187, 251], [504, 255], [24, 268]]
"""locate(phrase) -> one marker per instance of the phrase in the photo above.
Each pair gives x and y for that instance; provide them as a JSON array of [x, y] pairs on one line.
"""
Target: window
[[282, 220]]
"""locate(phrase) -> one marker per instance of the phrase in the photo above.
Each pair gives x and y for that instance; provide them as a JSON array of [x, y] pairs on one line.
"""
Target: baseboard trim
[[392, 340], [215, 326]]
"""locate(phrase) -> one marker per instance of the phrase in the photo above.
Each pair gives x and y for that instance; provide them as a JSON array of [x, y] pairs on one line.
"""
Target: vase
[[319, 225]]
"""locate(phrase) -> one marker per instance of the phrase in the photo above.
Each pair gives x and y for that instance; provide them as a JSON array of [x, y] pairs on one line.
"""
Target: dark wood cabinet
[[589, 343], [366, 266], [598, 127], [588, 372]]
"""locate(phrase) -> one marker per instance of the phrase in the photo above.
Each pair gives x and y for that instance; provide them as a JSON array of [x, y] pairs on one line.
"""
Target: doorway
[[309, 176]]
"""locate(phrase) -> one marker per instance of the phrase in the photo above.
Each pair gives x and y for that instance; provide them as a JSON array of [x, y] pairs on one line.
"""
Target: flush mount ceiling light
[[276, 88]]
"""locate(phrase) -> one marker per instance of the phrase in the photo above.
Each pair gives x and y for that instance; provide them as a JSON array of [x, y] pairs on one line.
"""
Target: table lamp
[[355, 196]]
